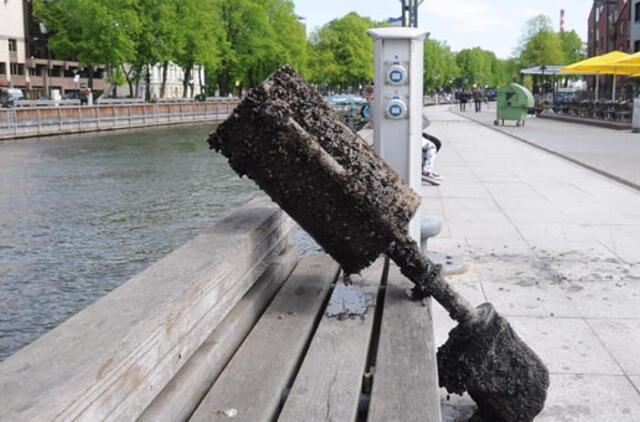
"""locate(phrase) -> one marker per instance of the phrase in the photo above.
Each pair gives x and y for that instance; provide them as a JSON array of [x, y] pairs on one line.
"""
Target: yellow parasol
[[606, 64]]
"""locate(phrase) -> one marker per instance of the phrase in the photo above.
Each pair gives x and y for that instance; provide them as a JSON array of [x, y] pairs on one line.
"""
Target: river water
[[79, 215]]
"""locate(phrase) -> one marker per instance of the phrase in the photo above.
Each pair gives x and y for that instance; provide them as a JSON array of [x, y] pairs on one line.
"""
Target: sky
[[494, 25]]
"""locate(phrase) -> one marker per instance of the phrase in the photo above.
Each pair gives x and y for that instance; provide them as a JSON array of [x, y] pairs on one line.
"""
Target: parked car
[[9, 96]]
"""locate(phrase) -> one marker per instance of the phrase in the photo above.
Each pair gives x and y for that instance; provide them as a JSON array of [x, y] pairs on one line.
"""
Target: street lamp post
[[410, 12]]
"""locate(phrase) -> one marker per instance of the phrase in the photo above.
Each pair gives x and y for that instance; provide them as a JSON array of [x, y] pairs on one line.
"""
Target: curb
[[601, 172]]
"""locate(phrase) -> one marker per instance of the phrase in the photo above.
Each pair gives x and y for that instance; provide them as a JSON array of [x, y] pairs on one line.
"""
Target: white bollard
[[635, 124], [397, 104]]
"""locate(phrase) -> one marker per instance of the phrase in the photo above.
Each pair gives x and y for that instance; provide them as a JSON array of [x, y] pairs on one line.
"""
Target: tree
[[244, 22], [542, 48], [572, 47], [342, 52], [91, 31], [532, 27], [475, 67], [157, 39], [201, 37], [284, 41], [541, 45], [440, 67]]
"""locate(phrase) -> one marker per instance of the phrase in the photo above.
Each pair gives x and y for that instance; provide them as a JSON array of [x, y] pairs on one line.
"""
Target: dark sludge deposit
[[285, 138]]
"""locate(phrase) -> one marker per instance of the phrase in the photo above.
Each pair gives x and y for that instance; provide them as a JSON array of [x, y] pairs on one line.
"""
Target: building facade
[[26, 61], [609, 27], [174, 87], [12, 44], [634, 25]]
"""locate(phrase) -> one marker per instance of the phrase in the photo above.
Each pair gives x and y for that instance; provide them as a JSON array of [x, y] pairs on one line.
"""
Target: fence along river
[[37, 121]]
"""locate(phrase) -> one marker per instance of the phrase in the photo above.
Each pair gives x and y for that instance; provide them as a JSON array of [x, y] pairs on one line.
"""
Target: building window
[[636, 16], [3, 68], [17, 68], [598, 13], [636, 46], [13, 45]]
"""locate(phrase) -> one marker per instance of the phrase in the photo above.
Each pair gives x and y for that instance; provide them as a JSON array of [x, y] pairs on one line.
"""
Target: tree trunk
[[111, 86], [200, 81], [91, 77], [185, 82], [165, 71], [147, 80], [223, 83]]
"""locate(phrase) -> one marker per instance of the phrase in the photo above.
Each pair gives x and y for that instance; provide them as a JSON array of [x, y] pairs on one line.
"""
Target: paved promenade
[[555, 248], [614, 152]]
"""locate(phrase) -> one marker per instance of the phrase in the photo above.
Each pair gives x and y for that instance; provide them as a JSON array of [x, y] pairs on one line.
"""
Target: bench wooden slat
[[405, 384], [329, 383], [253, 383], [182, 395], [109, 361]]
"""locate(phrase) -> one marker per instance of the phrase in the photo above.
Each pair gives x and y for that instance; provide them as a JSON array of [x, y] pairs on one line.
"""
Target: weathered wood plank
[[253, 383], [114, 357], [328, 385], [181, 396], [405, 384]]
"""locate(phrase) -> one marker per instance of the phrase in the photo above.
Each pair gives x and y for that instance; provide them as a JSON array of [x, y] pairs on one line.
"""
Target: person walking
[[463, 97], [477, 99]]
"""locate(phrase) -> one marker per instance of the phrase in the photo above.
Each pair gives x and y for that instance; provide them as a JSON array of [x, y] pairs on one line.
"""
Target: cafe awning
[[633, 61], [606, 64], [542, 70]]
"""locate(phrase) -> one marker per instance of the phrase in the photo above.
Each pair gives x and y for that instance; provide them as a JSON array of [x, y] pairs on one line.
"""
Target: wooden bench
[[233, 327]]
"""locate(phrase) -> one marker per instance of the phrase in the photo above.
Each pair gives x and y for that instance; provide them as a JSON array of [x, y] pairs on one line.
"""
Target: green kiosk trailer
[[513, 102]]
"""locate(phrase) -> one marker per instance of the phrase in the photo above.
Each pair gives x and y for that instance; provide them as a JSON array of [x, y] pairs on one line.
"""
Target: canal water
[[81, 214]]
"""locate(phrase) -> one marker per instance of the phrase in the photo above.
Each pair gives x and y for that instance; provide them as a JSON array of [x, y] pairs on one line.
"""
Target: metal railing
[[38, 121]]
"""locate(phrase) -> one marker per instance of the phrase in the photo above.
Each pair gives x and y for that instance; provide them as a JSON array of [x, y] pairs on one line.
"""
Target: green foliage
[[341, 52], [480, 67], [440, 66], [159, 31], [572, 47], [259, 36], [240, 42], [541, 45], [543, 48], [200, 38], [532, 27], [92, 31]]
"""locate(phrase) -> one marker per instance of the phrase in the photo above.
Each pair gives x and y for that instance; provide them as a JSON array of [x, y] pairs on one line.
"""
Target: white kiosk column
[[397, 104]]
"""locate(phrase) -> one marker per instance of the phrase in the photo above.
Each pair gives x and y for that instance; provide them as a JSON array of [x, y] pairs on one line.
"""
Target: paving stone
[[516, 300], [591, 398], [552, 238], [622, 338], [456, 408], [566, 345], [612, 299]]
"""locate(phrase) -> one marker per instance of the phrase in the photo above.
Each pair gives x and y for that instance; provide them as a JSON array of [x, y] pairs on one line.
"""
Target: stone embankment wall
[[41, 121]]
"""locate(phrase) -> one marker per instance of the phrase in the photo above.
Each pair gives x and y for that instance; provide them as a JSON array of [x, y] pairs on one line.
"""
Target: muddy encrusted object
[[486, 358], [285, 138]]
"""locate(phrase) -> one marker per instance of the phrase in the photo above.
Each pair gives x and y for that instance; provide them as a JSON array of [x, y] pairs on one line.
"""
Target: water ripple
[[79, 215]]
